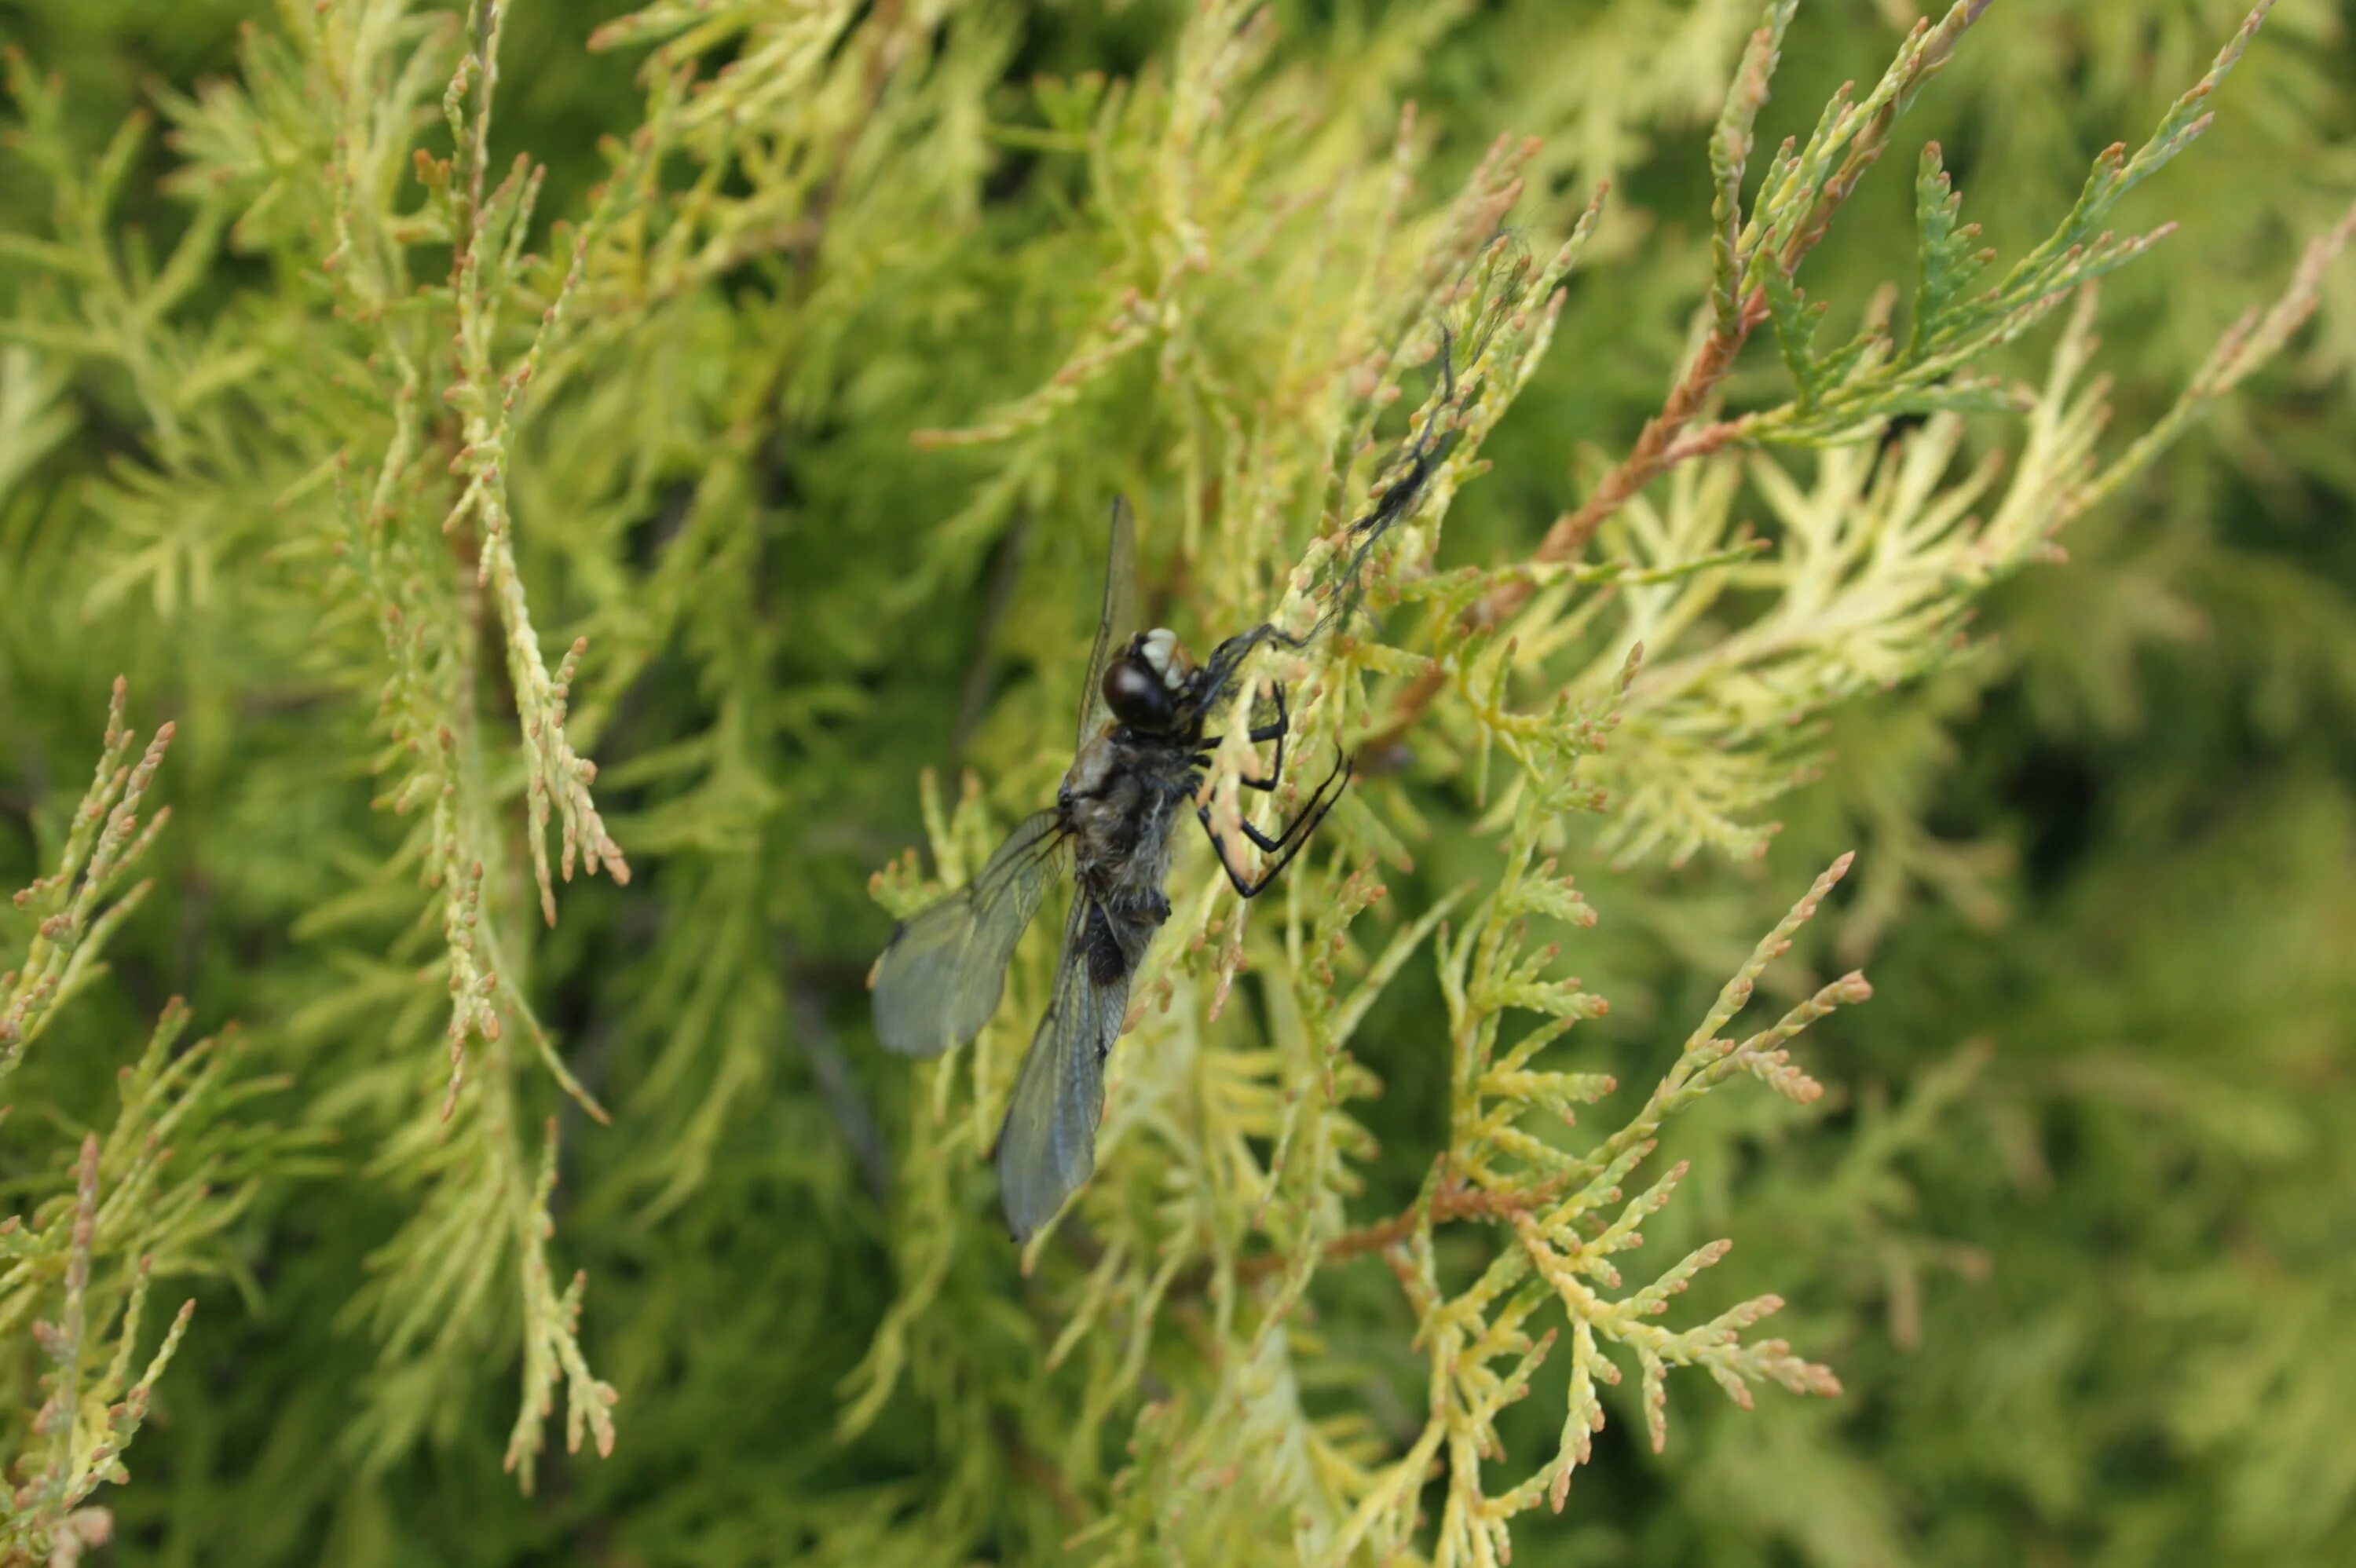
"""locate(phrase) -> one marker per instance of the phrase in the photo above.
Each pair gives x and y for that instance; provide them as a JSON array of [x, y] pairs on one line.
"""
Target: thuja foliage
[[147, 1199], [732, 392]]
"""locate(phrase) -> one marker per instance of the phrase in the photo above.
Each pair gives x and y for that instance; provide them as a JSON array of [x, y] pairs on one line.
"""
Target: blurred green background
[[2077, 1227]]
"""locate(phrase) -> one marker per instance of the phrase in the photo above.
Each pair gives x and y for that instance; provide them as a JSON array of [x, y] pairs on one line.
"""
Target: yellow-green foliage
[[732, 392], [152, 1196]]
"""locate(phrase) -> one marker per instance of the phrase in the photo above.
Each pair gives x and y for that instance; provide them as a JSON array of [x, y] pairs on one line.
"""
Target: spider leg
[[1285, 845]]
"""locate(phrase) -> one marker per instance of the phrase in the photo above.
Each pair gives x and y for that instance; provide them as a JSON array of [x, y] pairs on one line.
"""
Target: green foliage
[[732, 392], [128, 1207]]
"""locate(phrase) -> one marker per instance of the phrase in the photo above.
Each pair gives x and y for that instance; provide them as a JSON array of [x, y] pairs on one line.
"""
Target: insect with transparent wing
[[1141, 757]]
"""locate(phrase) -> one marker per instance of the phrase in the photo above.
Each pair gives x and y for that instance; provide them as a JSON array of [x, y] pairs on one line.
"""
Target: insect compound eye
[[1136, 694]]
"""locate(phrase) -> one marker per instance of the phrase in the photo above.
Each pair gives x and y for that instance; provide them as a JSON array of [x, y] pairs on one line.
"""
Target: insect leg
[[1448, 394], [1303, 828], [1413, 455], [1301, 824], [1219, 846], [1285, 845], [1257, 837], [1283, 725], [1275, 732], [1320, 802], [1276, 729]]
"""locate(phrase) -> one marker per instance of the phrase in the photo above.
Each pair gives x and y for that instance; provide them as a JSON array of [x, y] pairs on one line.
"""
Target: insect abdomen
[[1108, 963]]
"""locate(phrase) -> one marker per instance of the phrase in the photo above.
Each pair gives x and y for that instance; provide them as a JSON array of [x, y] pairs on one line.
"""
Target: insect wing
[[1047, 1146], [945, 968], [1119, 620]]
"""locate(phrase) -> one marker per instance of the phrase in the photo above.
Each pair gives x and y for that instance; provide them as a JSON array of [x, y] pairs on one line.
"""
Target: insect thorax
[[1122, 798]]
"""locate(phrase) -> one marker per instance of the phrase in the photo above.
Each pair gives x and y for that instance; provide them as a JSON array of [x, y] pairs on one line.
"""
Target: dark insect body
[[1141, 757]]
